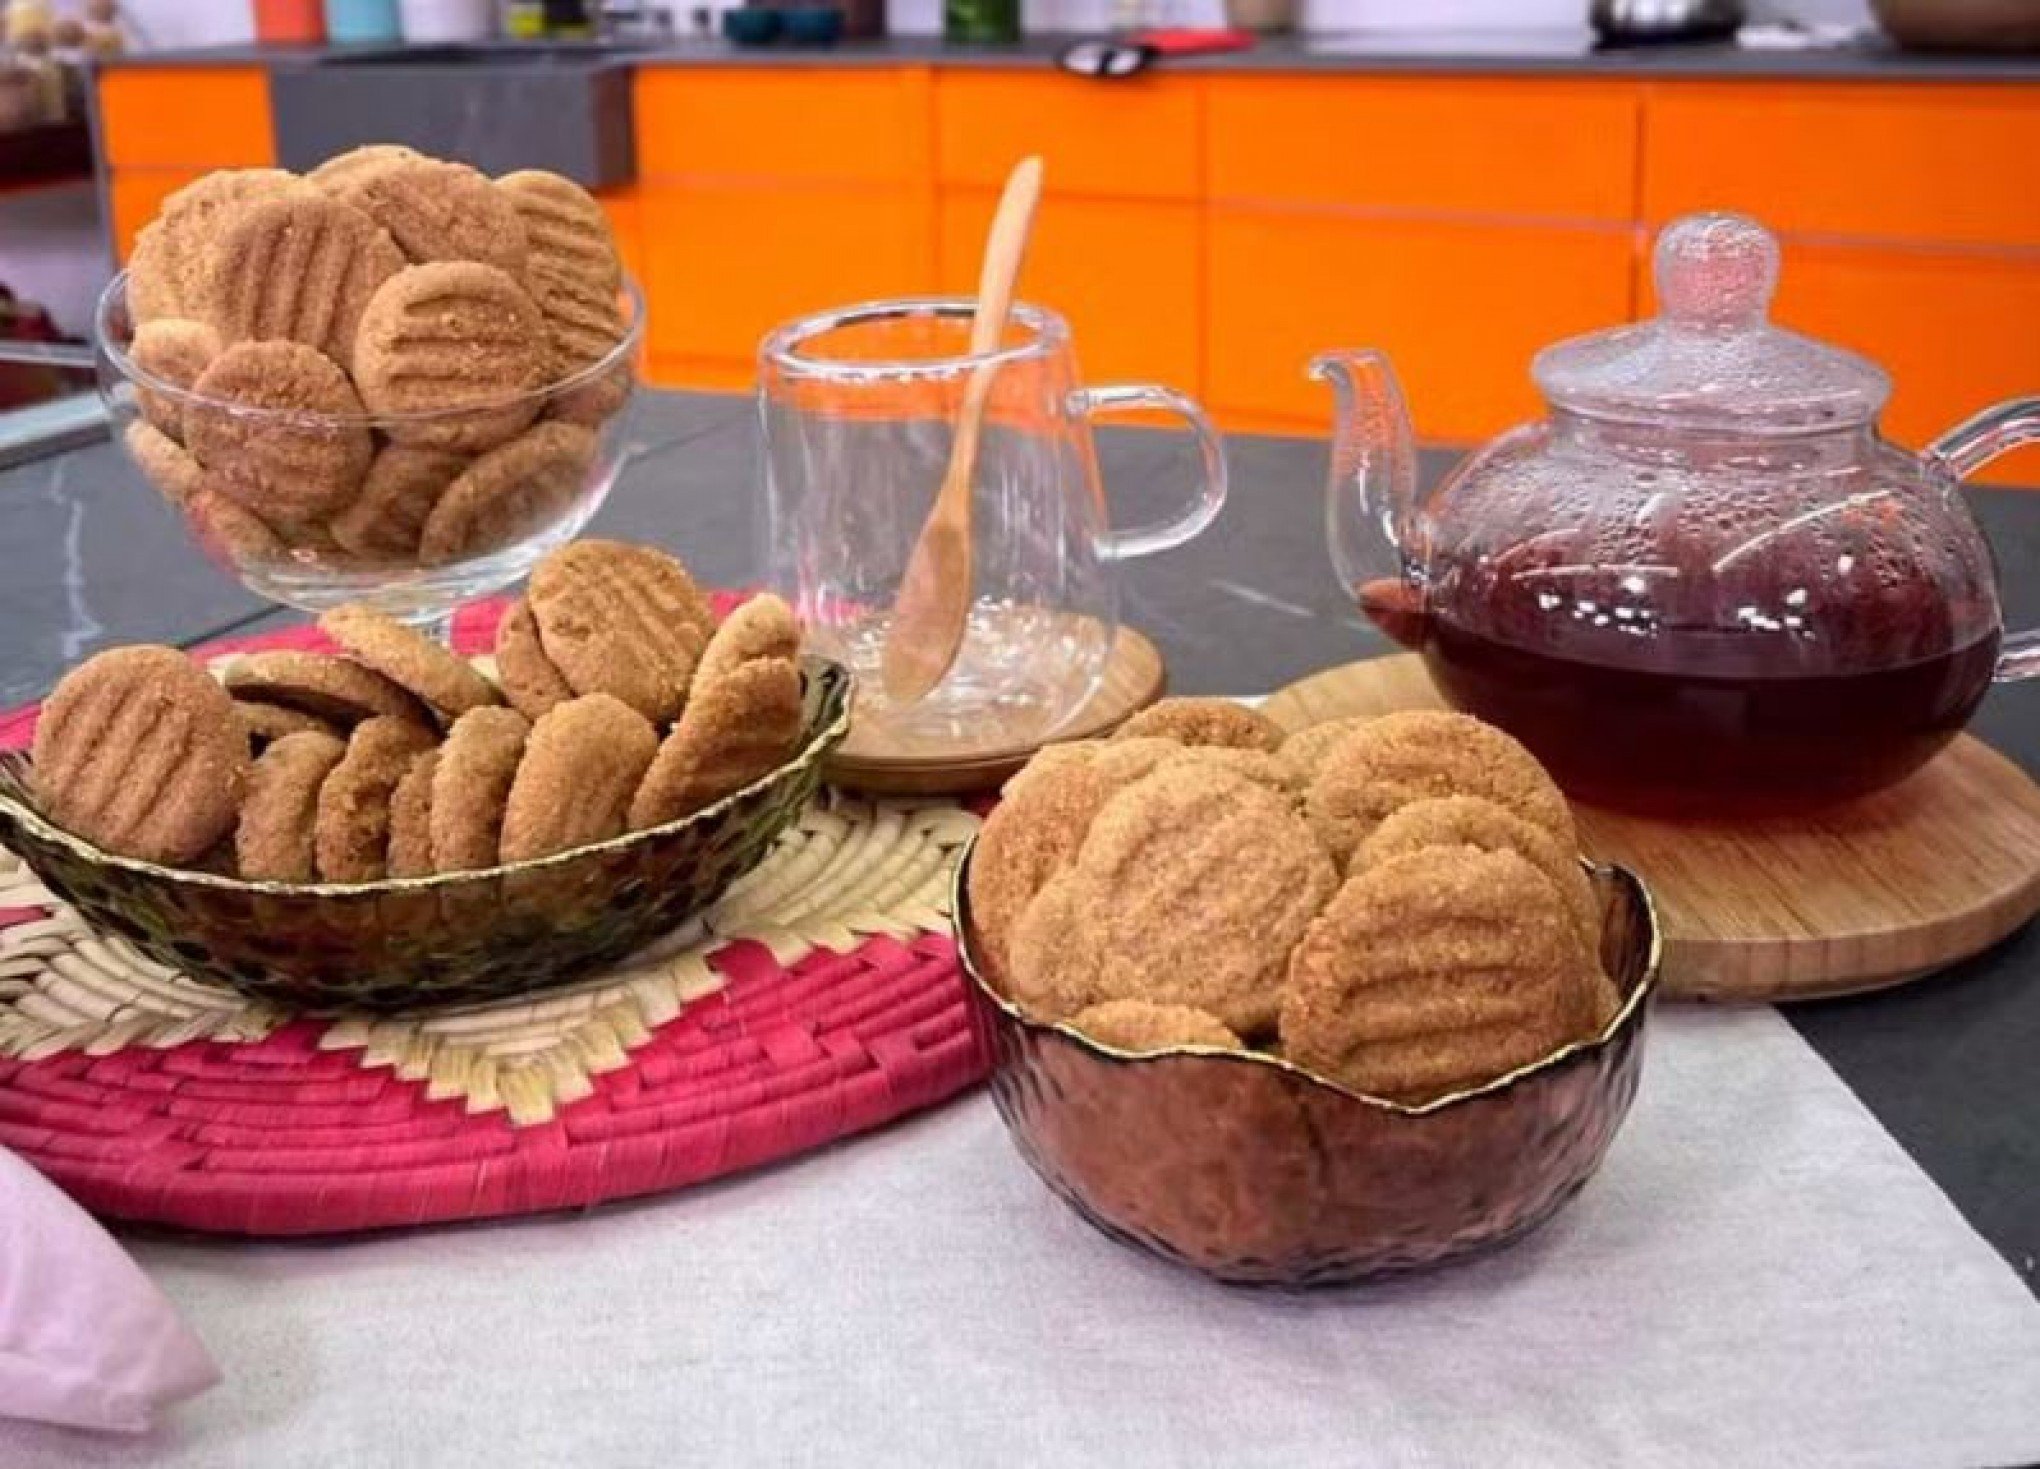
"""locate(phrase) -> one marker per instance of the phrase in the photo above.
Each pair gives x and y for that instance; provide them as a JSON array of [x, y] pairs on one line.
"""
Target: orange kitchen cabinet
[[625, 222], [1496, 148], [1460, 307], [1131, 140], [192, 117], [137, 194], [1126, 275], [726, 263], [867, 125], [1911, 162]]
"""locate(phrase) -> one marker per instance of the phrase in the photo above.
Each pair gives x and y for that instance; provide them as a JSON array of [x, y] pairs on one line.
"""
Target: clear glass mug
[[858, 408]]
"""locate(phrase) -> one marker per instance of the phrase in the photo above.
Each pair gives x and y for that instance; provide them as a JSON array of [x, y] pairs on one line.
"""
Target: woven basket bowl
[[1254, 1171], [407, 942]]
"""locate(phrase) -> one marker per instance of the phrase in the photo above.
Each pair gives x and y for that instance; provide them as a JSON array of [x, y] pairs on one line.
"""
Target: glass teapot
[[1704, 582]]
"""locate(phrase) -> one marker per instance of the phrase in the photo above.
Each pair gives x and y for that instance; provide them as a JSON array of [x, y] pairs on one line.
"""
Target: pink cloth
[[85, 1339]]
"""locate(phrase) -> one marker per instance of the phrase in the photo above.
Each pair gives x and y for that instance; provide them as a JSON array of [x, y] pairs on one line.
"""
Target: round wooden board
[[1134, 678], [1876, 892]]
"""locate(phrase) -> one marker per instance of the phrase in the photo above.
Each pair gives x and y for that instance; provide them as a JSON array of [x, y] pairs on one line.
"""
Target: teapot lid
[[1712, 359]]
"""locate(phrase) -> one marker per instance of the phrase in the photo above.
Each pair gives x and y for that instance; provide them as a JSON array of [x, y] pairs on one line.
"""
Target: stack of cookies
[[1393, 903], [385, 362], [623, 704]]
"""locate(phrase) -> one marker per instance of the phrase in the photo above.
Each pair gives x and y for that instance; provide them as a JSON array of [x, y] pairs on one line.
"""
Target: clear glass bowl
[[449, 505]]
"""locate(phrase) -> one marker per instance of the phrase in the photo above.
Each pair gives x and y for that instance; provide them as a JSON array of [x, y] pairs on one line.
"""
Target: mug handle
[[1122, 545], [1965, 449]]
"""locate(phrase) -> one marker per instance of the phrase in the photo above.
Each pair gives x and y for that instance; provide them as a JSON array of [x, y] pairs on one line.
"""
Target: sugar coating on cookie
[[457, 342], [299, 266], [736, 728], [295, 462], [581, 767], [763, 627], [274, 838], [1140, 1025], [1306, 751], [573, 266], [436, 210], [622, 620], [138, 751], [1205, 722]]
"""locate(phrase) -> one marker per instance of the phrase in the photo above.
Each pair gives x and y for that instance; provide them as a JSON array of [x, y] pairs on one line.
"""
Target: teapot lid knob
[[1716, 270]]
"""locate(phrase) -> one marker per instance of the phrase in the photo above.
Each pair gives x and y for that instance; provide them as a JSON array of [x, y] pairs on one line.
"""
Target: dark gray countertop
[[1501, 53], [92, 557]]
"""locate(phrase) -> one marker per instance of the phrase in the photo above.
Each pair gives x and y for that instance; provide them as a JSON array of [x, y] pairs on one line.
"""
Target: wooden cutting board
[[1872, 893]]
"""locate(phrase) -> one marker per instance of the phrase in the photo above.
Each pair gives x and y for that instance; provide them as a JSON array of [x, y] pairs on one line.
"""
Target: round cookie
[[622, 620], [437, 211], [529, 680], [459, 343], [582, 764], [471, 788], [573, 268], [352, 833], [300, 267], [1137, 1025], [509, 493], [266, 723], [735, 729], [336, 172], [335, 689], [273, 838], [763, 627], [387, 515], [1434, 972], [1190, 888], [408, 659], [1218, 722], [139, 752], [164, 462], [195, 216], [230, 532], [152, 286], [410, 852], [1407, 756], [1306, 751], [285, 466], [174, 351]]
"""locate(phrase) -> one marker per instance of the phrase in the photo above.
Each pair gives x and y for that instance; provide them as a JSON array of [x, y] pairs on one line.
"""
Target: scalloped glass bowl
[[1255, 1171], [536, 501]]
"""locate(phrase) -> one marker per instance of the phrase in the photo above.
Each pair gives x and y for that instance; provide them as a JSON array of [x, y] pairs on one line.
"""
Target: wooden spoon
[[933, 607]]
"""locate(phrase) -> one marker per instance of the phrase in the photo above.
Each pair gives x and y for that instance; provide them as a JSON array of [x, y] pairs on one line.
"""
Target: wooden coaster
[[866, 761], [1871, 893]]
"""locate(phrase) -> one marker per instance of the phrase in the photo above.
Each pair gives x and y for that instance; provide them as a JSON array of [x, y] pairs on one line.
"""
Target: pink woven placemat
[[819, 999]]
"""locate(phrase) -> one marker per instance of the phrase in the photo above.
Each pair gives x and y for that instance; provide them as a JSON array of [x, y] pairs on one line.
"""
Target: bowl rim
[[1627, 1020], [124, 366], [835, 685]]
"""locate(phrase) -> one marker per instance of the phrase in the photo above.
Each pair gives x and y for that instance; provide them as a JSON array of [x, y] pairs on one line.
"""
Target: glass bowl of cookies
[[380, 823], [392, 381], [1303, 1011]]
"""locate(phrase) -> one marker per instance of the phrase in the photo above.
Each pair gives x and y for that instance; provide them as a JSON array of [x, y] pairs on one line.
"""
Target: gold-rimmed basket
[[1256, 1171], [405, 943]]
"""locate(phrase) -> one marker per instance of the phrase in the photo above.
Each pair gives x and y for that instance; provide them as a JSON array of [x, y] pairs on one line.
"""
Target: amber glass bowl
[[1255, 1171]]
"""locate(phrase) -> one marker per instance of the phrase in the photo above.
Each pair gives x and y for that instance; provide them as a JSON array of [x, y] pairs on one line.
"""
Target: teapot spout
[[1371, 496]]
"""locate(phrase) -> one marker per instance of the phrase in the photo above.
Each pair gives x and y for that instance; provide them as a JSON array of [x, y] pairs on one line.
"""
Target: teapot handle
[[1965, 449], [1122, 545]]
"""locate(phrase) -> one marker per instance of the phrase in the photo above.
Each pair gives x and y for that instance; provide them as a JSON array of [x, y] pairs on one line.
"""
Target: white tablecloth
[[1758, 1276]]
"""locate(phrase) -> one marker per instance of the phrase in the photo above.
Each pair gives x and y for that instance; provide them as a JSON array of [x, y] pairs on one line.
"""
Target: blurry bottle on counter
[[361, 20], [447, 20], [524, 20], [981, 22], [290, 22]]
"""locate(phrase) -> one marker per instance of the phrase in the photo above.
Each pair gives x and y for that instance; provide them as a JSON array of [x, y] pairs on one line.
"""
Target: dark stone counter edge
[[1313, 54]]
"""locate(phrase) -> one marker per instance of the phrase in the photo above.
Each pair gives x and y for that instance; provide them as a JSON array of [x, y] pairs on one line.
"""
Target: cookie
[[174, 351], [266, 723], [139, 752], [336, 172], [387, 515], [471, 789], [436, 210], [1306, 751], [1137, 1025], [195, 216], [335, 689], [582, 764], [622, 620], [273, 838], [152, 286], [410, 850], [352, 834], [408, 659], [459, 343], [594, 402], [734, 730], [164, 462], [300, 267], [287, 468], [1435, 972], [1205, 722], [1191, 888], [529, 680], [1404, 757], [511, 492], [573, 266], [763, 627], [230, 532]]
